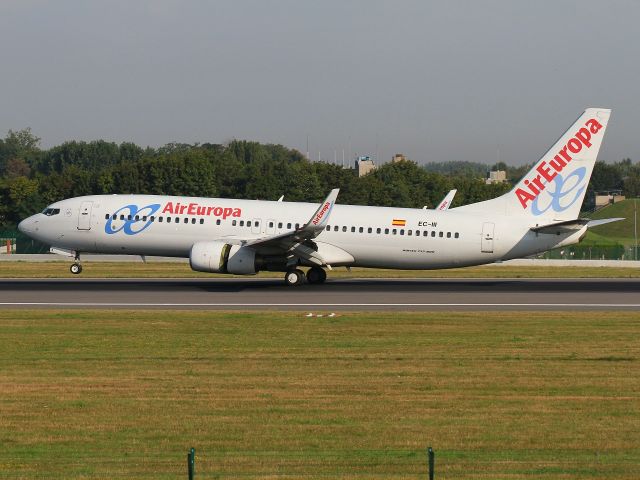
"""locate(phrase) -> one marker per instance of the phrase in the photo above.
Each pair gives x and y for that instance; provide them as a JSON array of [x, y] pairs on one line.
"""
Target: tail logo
[[564, 187], [550, 172]]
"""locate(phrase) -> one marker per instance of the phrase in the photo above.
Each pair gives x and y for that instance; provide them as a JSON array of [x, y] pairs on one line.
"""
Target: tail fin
[[445, 204], [555, 187]]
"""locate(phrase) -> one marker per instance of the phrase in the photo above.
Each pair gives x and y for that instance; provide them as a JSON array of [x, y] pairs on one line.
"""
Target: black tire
[[294, 277], [75, 268], [316, 275]]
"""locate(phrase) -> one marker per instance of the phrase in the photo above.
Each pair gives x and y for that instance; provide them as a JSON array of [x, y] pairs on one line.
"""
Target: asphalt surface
[[335, 295]]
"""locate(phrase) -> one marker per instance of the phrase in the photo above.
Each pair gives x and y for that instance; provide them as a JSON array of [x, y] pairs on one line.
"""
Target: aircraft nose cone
[[26, 225]]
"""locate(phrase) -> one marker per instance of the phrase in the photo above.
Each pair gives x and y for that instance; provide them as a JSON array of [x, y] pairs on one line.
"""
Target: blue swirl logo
[[131, 225], [566, 192]]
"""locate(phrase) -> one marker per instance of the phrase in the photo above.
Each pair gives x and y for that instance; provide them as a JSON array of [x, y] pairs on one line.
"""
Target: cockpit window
[[51, 211]]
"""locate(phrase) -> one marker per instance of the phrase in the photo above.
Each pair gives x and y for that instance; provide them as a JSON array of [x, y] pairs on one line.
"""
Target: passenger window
[[193, 221], [353, 229], [386, 231], [160, 219], [279, 224], [448, 234], [409, 232], [433, 233], [270, 224], [121, 217], [344, 229], [440, 234], [242, 223], [144, 218], [369, 230], [218, 221], [257, 223], [233, 223], [137, 217], [168, 219], [201, 221], [394, 231], [129, 217], [425, 233], [457, 235], [115, 217], [402, 231], [248, 223], [288, 226], [297, 226], [328, 228], [361, 230], [378, 230], [153, 219], [106, 216]]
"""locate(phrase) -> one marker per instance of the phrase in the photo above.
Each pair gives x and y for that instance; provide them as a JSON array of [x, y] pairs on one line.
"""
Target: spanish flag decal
[[398, 222]]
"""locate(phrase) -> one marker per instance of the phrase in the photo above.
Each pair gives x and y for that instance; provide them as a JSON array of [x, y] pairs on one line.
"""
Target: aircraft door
[[84, 216], [255, 226], [487, 237]]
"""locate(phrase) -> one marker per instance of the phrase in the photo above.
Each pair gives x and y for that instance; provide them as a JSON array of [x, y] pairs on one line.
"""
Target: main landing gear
[[295, 277]]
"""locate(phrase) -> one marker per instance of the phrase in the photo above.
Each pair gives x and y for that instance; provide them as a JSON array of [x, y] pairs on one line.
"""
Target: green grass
[[96, 394], [619, 232], [182, 270]]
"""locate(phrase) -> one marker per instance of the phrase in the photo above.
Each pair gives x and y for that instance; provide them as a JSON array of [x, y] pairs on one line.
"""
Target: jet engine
[[220, 257]]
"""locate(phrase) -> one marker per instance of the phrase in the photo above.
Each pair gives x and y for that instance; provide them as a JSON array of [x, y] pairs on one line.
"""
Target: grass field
[[182, 270], [97, 394]]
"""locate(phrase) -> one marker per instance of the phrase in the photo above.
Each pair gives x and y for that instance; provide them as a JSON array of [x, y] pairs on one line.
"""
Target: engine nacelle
[[220, 257]]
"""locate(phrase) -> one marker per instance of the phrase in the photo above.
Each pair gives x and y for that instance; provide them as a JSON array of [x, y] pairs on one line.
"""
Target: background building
[[364, 165]]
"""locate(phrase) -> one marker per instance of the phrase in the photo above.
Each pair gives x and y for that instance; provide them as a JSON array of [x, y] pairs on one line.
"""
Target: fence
[[20, 243], [593, 252]]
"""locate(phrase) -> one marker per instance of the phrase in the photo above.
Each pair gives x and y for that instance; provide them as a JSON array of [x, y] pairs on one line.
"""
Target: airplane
[[446, 202], [245, 237]]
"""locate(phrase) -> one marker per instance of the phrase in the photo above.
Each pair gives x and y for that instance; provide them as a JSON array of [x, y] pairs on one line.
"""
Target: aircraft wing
[[447, 200], [293, 241], [571, 225]]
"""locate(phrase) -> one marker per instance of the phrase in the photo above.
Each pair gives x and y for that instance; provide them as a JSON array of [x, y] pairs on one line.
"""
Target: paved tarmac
[[335, 295]]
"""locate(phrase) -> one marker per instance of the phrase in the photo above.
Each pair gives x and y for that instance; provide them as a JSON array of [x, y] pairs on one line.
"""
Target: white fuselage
[[362, 236]]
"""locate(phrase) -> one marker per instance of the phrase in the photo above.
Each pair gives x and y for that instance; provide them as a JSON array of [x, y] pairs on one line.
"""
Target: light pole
[[635, 227]]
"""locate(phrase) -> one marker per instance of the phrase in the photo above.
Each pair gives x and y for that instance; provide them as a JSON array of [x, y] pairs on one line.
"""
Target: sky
[[434, 80]]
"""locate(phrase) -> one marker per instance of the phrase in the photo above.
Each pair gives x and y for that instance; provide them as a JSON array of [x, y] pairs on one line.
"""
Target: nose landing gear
[[75, 268]]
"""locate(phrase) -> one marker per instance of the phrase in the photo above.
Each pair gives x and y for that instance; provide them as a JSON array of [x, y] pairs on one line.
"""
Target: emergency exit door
[[487, 237]]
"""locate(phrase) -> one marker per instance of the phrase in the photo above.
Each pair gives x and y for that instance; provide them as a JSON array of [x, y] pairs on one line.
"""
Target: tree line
[[32, 177]]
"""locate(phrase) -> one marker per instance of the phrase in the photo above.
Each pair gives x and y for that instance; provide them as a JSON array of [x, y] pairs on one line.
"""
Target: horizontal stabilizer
[[603, 221], [569, 226]]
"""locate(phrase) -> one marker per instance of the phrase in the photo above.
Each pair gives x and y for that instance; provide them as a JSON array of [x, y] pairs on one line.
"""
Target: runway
[[335, 295]]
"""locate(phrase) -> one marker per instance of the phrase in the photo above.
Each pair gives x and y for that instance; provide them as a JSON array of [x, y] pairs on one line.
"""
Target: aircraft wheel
[[75, 268], [294, 277], [316, 275]]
